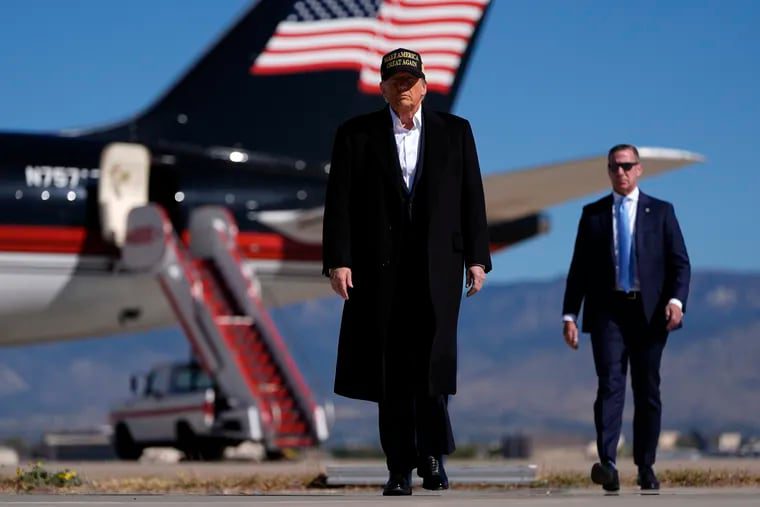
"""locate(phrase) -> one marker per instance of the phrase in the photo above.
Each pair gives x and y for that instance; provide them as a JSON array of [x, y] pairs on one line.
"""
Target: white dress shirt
[[407, 145], [616, 198]]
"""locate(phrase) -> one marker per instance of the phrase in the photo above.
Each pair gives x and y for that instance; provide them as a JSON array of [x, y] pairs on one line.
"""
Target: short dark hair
[[621, 147]]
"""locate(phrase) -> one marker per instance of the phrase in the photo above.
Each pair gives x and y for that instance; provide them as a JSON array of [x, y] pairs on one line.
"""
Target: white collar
[[397, 125], [634, 196]]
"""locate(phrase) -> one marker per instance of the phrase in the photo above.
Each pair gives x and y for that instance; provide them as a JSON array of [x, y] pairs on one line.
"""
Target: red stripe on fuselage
[[82, 241], [54, 240]]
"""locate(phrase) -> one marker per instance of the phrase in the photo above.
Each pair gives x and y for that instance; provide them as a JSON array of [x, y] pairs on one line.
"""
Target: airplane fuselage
[[59, 278]]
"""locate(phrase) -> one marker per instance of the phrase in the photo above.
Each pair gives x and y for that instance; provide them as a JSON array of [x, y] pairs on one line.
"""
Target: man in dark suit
[[631, 271], [404, 215]]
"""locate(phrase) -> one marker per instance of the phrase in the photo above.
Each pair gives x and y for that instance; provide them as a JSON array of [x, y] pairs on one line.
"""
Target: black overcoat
[[364, 207]]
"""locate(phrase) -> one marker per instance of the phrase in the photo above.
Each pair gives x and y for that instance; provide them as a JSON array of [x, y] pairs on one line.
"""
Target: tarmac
[[554, 461], [701, 497]]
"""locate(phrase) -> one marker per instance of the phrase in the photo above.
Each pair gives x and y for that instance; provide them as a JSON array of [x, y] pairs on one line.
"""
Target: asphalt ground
[[700, 497]]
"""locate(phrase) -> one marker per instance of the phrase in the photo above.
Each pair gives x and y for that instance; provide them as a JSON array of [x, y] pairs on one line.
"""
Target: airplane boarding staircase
[[232, 336]]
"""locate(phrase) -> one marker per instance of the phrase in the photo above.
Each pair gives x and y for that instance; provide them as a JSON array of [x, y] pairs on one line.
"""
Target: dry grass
[[7, 484], [182, 483], [192, 484], [713, 478], [677, 478], [264, 483]]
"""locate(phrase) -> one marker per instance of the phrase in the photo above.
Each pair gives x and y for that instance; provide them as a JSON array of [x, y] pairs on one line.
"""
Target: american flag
[[354, 34]]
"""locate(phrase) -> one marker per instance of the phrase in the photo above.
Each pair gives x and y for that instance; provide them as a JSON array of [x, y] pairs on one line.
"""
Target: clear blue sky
[[549, 80]]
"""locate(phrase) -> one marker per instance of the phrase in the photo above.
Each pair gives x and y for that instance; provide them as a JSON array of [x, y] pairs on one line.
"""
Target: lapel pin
[[646, 210]]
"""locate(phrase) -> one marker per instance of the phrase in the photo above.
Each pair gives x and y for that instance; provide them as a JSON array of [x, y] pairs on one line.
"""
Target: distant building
[[729, 442], [8, 456], [91, 445]]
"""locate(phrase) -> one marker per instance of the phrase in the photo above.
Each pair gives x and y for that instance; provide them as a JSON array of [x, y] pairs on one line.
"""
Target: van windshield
[[187, 379]]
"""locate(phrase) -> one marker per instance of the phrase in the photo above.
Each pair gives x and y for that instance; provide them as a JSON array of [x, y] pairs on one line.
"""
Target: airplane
[[249, 128]]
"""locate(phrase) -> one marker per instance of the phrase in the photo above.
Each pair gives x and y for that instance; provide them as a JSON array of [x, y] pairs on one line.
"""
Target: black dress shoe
[[647, 479], [399, 484], [433, 474], [606, 475]]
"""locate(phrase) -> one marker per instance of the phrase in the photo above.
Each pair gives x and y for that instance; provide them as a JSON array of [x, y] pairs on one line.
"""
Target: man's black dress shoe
[[647, 480], [606, 475], [433, 474], [399, 484]]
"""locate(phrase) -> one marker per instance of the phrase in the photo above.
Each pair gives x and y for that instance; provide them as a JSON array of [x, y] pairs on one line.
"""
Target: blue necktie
[[625, 280]]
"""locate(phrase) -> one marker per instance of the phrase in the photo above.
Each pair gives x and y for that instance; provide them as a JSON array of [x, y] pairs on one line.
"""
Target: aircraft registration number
[[46, 176]]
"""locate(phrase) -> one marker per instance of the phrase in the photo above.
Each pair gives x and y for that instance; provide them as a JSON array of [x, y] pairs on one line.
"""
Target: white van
[[179, 405]]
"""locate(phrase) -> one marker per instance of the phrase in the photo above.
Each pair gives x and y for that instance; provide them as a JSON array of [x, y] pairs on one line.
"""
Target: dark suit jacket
[[364, 206], [661, 260]]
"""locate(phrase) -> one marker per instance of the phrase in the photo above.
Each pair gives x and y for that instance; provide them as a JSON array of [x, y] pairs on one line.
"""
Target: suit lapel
[[436, 147], [606, 221], [420, 160], [642, 217], [385, 146]]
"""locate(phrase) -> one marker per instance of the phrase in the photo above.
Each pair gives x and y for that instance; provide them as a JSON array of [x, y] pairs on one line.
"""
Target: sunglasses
[[625, 166]]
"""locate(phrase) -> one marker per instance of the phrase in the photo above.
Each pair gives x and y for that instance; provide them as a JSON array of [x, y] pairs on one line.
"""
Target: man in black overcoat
[[404, 216]]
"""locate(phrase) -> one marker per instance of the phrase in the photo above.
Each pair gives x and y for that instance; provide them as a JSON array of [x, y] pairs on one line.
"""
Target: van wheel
[[124, 445], [275, 455], [212, 451], [187, 442]]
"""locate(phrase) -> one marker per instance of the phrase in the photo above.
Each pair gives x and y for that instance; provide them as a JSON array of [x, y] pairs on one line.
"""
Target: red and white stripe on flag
[[354, 34]]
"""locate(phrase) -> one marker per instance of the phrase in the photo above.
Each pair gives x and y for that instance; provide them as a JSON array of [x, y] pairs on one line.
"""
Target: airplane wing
[[302, 225], [515, 194], [511, 195]]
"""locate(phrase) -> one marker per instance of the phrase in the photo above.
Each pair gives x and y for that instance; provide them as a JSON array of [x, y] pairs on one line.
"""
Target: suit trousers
[[412, 422], [412, 427], [626, 338]]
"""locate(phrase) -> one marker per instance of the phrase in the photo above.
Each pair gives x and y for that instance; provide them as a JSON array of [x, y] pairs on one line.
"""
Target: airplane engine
[[506, 233]]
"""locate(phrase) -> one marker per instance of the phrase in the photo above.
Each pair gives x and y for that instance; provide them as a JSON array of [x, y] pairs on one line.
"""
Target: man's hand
[[674, 315], [570, 332], [340, 280], [476, 276]]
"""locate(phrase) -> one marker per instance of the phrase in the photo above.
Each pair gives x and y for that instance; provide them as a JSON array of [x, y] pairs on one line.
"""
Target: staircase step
[[280, 399], [286, 404], [290, 417], [289, 442], [256, 351], [233, 320], [270, 387], [256, 358], [295, 428], [283, 398]]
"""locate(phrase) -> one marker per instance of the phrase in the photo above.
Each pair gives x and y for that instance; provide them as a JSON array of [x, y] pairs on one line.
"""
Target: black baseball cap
[[401, 60]]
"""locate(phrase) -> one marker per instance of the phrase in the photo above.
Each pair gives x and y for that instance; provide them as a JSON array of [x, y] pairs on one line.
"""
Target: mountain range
[[515, 372]]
